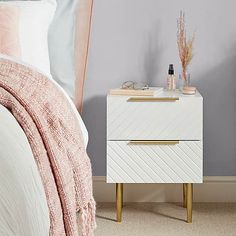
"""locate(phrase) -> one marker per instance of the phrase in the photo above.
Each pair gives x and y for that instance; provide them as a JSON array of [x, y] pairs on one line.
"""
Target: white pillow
[[62, 45], [34, 21]]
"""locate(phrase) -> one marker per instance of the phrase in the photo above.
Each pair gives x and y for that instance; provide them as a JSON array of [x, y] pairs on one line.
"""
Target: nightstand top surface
[[164, 93]]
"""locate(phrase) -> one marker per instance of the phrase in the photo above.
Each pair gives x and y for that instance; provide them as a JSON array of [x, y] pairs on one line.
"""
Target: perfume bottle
[[171, 79]]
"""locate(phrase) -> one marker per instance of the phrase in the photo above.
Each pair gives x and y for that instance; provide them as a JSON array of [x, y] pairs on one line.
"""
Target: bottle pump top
[[171, 69]]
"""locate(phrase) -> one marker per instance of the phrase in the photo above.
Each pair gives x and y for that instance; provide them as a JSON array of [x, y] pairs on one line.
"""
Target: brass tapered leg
[[122, 201], [119, 198], [184, 195], [189, 194]]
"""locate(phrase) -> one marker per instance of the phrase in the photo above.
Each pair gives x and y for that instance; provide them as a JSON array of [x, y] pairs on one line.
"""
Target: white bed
[[23, 205]]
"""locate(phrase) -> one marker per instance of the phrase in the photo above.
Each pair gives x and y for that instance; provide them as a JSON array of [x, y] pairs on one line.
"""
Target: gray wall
[[136, 40]]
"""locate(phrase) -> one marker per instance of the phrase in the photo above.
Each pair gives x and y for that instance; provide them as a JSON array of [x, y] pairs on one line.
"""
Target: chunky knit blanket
[[55, 137]]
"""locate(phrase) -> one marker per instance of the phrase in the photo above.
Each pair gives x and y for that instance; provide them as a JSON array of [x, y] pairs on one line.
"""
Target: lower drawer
[[154, 162]]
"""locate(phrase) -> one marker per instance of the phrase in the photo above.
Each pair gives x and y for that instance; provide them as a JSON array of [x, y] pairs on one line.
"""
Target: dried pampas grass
[[185, 46]]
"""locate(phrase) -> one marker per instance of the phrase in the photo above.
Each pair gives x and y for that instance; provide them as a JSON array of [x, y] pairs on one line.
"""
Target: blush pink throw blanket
[[55, 137]]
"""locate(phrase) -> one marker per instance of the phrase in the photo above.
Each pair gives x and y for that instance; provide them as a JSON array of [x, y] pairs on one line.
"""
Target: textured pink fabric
[[9, 31], [57, 143]]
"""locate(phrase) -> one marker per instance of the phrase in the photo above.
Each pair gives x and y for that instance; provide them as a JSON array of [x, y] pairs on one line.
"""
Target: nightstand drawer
[[154, 162], [154, 118]]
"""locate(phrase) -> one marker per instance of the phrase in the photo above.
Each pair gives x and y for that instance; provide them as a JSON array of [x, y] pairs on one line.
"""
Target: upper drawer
[[137, 118]]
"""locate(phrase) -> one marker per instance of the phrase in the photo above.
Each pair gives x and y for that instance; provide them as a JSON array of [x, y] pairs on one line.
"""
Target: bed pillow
[[62, 44], [9, 31], [34, 20]]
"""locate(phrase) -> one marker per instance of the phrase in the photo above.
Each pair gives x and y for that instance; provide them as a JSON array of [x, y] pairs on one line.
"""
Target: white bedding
[[32, 27], [23, 206]]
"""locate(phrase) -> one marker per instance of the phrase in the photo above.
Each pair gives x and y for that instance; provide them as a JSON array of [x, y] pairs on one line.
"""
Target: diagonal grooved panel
[[181, 163], [180, 120]]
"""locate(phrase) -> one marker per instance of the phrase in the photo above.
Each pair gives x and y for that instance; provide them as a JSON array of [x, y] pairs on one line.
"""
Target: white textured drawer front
[[154, 163], [154, 120]]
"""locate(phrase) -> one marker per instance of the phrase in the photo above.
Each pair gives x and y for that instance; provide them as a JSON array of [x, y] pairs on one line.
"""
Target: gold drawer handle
[[136, 142], [152, 99]]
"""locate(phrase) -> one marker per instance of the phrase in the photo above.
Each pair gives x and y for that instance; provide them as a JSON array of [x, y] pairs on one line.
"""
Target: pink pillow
[[9, 31]]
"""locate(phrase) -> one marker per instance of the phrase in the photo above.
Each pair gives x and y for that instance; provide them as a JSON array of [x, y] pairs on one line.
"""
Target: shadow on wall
[[218, 87], [94, 115]]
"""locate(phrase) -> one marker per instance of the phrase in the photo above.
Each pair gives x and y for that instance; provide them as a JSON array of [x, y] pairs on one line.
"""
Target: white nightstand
[[155, 140]]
